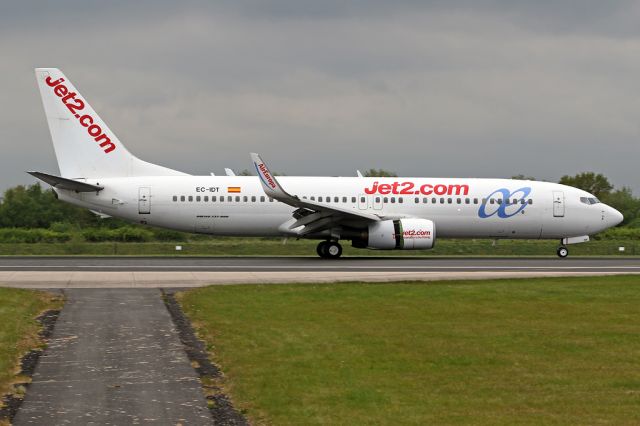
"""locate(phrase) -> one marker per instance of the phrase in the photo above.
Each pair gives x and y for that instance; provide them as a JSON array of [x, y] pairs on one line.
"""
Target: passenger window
[[175, 198], [253, 199], [385, 200], [222, 198], [245, 199], [467, 201], [320, 199], [270, 200], [530, 201], [377, 199], [393, 200], [229, 198], [344, 199], [433, 200], [441, 200], [328, 200], [475, 201], [182, 198], [491, 201], [417, 200], [400, 200], [449, 200], [262, 199], [459, 200], [363, 200], [198, 199], [190, 197], [213, 198], [353, 199], [313, 198], [425, 200], [336, 199], [206, 198]]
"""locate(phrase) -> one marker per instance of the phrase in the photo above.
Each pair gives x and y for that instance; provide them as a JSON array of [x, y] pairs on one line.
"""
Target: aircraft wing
[[64, 183], [314, 216]]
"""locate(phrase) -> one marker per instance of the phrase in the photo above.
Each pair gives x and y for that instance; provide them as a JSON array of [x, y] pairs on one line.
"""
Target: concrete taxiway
[[83, 272]]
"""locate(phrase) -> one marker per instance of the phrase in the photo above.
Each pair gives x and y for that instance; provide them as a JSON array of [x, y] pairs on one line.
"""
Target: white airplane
[[100, 174]]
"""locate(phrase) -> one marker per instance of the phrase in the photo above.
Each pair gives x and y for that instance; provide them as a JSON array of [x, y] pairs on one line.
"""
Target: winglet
[[269, 182]]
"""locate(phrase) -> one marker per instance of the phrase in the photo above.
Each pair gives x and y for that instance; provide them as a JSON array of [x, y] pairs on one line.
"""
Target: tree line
[[34, 207]]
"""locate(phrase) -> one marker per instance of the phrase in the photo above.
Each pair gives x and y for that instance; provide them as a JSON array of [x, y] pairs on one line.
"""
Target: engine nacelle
[[402, 234]]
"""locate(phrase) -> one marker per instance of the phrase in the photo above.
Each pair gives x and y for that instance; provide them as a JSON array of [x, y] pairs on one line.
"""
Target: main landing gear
[[562, 252], [329, 249]]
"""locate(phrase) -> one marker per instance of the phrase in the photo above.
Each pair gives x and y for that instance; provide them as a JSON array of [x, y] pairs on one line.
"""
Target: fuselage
[[459, 208]]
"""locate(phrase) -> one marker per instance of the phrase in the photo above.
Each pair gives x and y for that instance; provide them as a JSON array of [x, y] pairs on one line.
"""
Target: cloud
[[489, 88]]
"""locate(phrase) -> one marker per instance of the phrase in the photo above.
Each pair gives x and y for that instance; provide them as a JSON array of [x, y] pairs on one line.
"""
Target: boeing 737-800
[[97, 172]]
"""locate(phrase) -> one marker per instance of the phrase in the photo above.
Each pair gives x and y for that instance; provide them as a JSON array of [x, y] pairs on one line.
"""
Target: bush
[[36, 235], [169, 235], [620, 233], [127, 234]]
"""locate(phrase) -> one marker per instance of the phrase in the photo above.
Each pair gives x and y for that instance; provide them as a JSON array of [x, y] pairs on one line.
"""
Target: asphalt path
[[311, 264], [115, 357]]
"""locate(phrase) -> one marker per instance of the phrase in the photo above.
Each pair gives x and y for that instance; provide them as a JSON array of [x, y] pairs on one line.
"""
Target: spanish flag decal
[[233, 189]]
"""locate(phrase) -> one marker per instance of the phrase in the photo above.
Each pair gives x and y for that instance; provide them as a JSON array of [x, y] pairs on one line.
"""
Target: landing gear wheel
[[329, 249], [321, 249], [563, 252], [333, 250]]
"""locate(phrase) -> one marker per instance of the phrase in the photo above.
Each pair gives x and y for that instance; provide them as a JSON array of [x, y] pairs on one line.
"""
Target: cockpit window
[[589, 200]]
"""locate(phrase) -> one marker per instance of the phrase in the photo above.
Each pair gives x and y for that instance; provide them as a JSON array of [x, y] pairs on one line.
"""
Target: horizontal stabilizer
[[100, 215], [64, 183]]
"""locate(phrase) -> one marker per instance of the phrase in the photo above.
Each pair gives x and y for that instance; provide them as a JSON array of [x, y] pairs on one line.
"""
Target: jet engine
[[401, 234]]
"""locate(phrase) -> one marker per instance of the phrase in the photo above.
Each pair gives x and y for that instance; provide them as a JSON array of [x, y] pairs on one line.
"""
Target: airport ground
[[560, 349]]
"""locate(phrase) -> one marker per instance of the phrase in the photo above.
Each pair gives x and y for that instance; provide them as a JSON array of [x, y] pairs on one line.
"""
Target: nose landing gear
[[562, 252], [329, 249]]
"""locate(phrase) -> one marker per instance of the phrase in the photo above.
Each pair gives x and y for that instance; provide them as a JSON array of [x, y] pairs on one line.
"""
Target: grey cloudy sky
[[424, 88]]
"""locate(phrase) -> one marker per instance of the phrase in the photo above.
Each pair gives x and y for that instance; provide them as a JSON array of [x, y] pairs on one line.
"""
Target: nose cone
[[614, 217]]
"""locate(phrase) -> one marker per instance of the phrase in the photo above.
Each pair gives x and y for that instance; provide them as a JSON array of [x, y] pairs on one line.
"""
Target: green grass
[[537, 351], [19, 328], [227, 246]]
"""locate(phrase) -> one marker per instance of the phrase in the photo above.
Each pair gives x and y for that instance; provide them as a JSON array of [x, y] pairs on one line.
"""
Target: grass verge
[[19, 328], [227, 246], [554, 351]]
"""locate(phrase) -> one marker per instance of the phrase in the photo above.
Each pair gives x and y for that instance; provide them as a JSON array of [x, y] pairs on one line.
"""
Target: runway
[[312, 264], [103, 272]]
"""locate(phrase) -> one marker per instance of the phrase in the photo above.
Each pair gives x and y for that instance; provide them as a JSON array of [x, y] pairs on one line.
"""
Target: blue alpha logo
[[506, 204]]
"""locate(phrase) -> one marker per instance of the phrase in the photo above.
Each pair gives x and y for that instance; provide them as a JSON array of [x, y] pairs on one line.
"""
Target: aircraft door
[[144, 200], [558, 204]]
